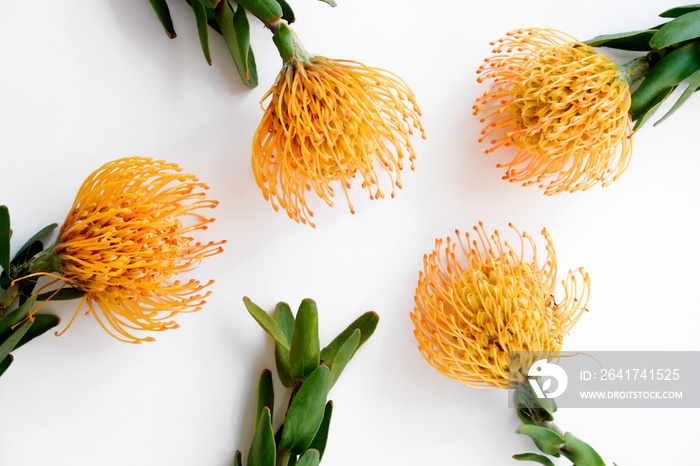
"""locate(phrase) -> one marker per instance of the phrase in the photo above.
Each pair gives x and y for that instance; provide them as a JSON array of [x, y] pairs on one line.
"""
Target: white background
[[85, 82]]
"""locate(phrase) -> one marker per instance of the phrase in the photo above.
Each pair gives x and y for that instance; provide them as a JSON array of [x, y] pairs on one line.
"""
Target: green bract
[[310, 373]]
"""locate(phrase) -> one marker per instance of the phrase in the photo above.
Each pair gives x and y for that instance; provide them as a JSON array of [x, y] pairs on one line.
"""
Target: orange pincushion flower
[[562, 105], [327, 121], [123, 242], [478, 301]]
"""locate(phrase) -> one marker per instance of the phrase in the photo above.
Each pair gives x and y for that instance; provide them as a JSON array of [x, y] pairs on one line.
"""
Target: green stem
[[635, 70], [283, 457]]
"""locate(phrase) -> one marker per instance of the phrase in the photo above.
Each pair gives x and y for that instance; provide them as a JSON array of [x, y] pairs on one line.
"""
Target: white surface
[[85, 82]]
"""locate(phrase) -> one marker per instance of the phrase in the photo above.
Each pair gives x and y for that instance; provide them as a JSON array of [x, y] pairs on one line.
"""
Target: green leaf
[[64, 294], [321, 438], [309, 458], [10, 342], [16, 316], [5, 363], [5, 234], [653, 107], [285, 319], [683, 28], [540, 409], [266, 396], [545, 439], [678, 11], [330, 2], [267, 323], [306, 412], [633, 40], [163, 13], [287, 13], [209, 3], [236, 31], [534, 457], [42, 323], [200, 14], [267, 10], [366, 323], [237, 460], [693, 85], [344, 355], [525, 417], [304, 352], [47, 229], [581, 453], [285, 43], [672, 69], [262, 450]]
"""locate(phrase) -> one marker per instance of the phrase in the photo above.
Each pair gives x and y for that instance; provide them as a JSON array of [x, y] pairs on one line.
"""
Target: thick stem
[[635, 70]]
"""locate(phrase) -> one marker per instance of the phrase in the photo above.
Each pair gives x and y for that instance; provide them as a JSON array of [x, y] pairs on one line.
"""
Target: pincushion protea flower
[[563, 106], [478, 299], [329, 120], [124, 241]]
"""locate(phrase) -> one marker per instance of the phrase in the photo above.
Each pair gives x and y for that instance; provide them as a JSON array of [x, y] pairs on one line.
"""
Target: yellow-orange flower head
[[329, 120], [478, 299], [123, 243], [562, 105]]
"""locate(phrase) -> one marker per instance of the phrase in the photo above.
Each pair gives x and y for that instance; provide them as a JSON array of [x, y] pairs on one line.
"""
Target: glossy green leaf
[[263, 451], [287, 13], [330, 2], [654, 105], [344, 355], [285, 319], [309, 458], [693, 85], [267, 323], [266, 396], [200, 14], [672, 69], [10, 342], [5, 234], [678, 11], [236, 31], [163, 13], [306, 412], [633, 40], [64, 294], [5, 363], [366, 323], [545, 439], [321, 438], [237, 460], [683, 28], [534, 458], [16, 316], [47, 229], [304, 352], [42, 324], [267, 10], [209, 3], [581, 453], [285, 43]]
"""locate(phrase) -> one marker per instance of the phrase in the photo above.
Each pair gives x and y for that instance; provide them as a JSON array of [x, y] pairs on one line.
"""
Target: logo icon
[[542, 368]]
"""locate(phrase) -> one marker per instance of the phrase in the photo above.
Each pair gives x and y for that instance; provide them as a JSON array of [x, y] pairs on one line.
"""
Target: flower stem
[[635, 70]]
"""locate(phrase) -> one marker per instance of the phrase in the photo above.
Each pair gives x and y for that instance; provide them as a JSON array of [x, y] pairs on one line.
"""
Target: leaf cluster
[[309, 372], [673, 55], [229, 19], [537, 415], [18, 326]]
